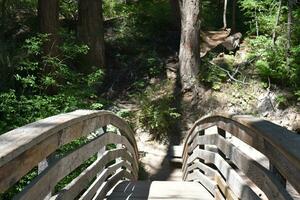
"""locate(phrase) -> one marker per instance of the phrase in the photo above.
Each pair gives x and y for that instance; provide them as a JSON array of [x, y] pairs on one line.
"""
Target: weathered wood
[[45, 183], [257, 173], [218, 195], [262, 177], [81, 182], [265, 137], [12, 171], [92, 190], [201, 166], [225, 188], [23, 148], [208, 183], [235, 182], [110, 183]]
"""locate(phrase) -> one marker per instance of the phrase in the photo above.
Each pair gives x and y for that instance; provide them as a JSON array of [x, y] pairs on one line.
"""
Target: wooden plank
[[208, 183], [262, 177], [218, 195], [225, 188], [201, 166], [110, 183], [92, 190], [81, 182], [204, 139], [264, 136], [12, 171], [44, 183], [235, 182], [32, 143]]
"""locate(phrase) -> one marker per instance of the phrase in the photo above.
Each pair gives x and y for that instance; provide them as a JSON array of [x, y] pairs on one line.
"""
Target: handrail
[[278, 144], [35, 144]]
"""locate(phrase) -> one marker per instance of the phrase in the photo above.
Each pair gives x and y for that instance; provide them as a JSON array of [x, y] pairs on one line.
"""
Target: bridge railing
[[37, 146], [232, 171]]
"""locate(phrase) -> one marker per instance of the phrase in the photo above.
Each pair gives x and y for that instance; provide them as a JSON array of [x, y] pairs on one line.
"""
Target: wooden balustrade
[[35, 144], [210, 158], [229, 172]]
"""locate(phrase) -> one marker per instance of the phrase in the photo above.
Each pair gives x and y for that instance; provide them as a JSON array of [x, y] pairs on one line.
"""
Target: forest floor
[[252, 97], [144, 74], [233, 97]]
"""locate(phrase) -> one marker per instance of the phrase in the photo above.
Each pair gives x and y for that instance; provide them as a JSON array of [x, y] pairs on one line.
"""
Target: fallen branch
[[228, 73]]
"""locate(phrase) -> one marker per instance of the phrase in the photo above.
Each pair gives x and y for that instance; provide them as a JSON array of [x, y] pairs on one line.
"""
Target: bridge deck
[[157, 190]]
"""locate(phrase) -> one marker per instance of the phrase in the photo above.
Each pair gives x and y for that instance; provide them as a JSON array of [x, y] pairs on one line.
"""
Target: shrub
[[156, 111]]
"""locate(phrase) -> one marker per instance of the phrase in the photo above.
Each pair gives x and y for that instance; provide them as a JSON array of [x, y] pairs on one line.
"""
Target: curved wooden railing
[[35, 146], [232, 172]]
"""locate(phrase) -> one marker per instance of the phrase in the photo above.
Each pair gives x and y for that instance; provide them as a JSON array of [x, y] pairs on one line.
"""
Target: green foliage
[[263, 12], [212, 75], [112, 8], [95, 78], [19, 186], [156, 111], [68, 9], [272, 61], [31, 70], [19, 110], [281, 101]]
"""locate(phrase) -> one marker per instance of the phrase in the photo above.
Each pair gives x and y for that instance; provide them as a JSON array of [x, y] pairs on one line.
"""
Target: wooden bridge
[[224, 157]]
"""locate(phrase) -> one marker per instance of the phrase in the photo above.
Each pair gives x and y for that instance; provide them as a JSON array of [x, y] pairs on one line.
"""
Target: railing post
[[277, 174], [103, 149], [222, 133], [201, 146], [42, 166], [119, 146]]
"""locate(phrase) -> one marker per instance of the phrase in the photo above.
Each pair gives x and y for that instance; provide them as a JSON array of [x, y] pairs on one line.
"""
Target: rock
[[265, 103]]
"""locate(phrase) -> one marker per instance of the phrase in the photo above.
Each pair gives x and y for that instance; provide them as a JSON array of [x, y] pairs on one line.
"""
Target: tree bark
[[91, 33], [224, 15], [48, 13], [289, 24], [189, 54]]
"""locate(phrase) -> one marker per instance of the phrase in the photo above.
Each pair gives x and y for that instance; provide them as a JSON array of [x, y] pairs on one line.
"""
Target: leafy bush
[[212, 75], [156, 111], [272, 61], [17, 111]]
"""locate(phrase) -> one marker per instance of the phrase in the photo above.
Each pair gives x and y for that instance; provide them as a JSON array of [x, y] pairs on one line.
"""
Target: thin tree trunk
[[189, 54], [289, 32], [256, 22], [91, 33], [276, 23], [48, 12], [224, 15], [289, 24]]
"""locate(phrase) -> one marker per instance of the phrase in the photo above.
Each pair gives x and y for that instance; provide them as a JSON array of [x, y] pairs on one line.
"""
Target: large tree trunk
[[189, 54], [48, 13], [91, 33], [276, 23]]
